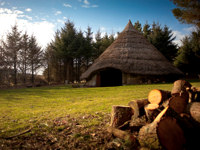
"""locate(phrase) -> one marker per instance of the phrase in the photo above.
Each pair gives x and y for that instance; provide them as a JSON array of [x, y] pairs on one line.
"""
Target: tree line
[[72, 51], [20, 58]]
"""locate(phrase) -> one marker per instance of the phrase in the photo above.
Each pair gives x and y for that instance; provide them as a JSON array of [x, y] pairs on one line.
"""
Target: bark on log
[[158, 96], [120, 114], [148, 134], [180, 85], [121, 134], [151, 111], [194, 110], [170, 134], [178, 104], [138, 107]]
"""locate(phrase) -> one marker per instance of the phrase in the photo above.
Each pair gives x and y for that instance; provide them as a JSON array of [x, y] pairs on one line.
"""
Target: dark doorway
[[111, 77]]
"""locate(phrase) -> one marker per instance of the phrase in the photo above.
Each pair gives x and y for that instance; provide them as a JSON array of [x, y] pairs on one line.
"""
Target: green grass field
[[20, 108]]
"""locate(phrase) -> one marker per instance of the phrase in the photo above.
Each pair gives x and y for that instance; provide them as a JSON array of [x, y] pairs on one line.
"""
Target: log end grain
[[170, 134]]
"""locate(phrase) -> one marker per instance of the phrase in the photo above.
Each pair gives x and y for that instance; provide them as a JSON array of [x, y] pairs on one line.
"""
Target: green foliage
[[189, 53], [20, 54], [72, 52], [162, 39], [35, 56], [138, 26], [188, 11], [146, 30]]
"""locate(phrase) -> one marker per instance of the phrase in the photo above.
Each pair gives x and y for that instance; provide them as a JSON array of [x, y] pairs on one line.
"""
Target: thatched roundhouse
[[130, 59]]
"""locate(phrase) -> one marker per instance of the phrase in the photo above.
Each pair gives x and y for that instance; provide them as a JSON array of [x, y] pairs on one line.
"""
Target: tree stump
[[120, 114]]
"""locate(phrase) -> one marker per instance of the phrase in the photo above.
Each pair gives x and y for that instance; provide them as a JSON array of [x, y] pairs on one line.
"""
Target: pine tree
[[138, 26], [12, 46], [189, 54], [188, 11], [35, 56], [162, 39], [146, 30], [23, 54]]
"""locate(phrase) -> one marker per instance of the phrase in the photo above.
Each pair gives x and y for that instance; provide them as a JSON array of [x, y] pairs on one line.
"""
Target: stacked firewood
[[166, 120]]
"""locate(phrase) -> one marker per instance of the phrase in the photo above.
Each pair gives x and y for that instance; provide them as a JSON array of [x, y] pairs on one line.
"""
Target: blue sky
[[43, 17]]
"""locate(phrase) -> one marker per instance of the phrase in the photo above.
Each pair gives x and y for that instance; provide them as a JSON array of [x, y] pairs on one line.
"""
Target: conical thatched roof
[[132, 53]]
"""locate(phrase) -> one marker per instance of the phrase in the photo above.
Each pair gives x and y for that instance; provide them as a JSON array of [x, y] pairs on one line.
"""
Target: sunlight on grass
[[20, 108]]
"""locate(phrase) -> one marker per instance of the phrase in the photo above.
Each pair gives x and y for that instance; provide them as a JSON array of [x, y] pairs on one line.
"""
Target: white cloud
[[89, 6], [28, 9], [2, 3], [9, 11], [58, 13], [190, 29], [60, 21], [86, 2], [179, 36], [43, 30], [67, 5]]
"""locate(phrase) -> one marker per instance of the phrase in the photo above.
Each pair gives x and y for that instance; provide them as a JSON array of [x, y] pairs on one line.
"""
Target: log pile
[[166, 120]]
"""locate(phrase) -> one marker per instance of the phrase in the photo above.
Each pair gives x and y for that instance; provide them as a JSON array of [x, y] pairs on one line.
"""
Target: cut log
[[178, 104], [194, 110], [121, 134], [158, 96], [170, 134], [151, 111], [120, 114], [138, 107], [148, 134], [180, 85]]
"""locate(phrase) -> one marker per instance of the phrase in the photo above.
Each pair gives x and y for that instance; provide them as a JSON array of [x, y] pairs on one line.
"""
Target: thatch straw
[[132, 53]]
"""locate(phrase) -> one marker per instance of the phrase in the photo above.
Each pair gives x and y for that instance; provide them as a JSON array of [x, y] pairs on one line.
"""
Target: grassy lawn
[[20, 108]]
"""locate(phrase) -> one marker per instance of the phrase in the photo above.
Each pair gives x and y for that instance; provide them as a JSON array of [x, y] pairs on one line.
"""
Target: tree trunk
[[32, 73], [158, 96], [138, 107], [15, 71], [148, 134], [69, 69], [120, 114]]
